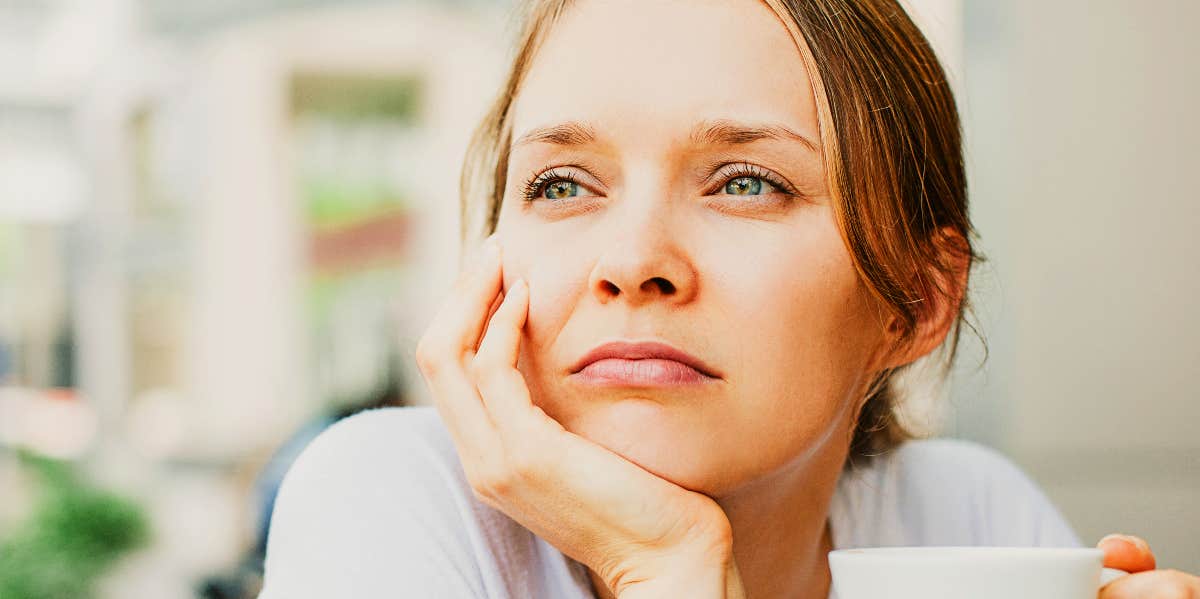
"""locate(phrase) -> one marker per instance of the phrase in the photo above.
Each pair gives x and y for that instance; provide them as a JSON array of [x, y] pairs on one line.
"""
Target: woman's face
[[678, 194]]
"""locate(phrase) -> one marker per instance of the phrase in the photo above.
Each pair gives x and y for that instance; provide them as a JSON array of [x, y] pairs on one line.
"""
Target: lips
[[652, 358]]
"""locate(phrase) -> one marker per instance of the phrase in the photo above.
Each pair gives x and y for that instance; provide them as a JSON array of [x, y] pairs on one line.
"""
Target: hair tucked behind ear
[[486, 162], [892, 143], [894, 161]]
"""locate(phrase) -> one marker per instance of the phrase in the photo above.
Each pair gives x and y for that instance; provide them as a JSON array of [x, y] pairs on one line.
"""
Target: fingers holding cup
[[1127, 552], [1156, 584]]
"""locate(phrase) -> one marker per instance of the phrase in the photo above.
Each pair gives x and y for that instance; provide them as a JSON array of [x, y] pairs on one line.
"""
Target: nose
[[645, 261]]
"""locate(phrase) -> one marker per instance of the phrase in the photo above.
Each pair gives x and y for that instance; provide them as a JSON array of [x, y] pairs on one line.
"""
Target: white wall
[[1082, 136]]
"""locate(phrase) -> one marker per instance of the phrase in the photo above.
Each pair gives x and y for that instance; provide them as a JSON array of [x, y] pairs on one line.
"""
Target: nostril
[[664, 285]]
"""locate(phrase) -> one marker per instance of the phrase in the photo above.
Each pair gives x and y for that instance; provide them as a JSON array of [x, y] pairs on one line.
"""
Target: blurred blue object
[[245, 581]]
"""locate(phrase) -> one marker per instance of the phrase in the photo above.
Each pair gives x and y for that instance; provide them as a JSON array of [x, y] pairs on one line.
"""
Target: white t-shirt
[[377, 507]]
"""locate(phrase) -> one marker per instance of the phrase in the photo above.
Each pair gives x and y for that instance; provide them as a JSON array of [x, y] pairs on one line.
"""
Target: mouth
[[641, 364]]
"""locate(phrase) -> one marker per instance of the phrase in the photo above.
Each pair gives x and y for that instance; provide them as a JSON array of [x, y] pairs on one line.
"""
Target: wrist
[[703, 574]]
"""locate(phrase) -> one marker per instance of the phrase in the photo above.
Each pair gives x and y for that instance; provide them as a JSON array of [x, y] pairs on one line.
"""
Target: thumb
[[1126, 552]]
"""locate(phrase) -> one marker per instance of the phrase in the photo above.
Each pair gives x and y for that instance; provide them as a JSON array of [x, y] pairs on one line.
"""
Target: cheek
[[556, 279], [783, 313], [801, 332], [811, 337], [547, 267], [800, 307]]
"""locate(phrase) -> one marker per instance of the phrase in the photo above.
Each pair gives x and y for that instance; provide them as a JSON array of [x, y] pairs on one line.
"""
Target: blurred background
[[224, 225]]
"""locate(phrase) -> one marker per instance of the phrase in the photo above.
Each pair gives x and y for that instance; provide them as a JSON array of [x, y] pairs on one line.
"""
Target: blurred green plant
[[333, 203], [75, 533]]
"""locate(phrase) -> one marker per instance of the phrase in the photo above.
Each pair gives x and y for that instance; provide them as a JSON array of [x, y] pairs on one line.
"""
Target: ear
[[939, 310]]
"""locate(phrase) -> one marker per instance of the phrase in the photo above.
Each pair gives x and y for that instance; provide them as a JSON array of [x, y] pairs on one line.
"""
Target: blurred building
[[219, 221]]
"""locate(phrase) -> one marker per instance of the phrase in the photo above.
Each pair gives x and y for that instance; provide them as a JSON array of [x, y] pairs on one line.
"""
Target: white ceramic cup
[[969, 573]]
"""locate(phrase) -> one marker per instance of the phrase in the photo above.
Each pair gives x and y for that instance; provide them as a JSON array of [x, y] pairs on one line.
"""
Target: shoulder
[[355, 499], [952, 492], [377, 505], [942, 463], [382, 459], [389, 443]]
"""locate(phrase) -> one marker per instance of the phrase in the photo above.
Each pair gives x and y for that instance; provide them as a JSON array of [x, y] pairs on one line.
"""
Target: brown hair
[[892, 142]]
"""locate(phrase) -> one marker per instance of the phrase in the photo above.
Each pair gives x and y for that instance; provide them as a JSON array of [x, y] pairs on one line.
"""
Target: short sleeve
[[372, 508], [1007, 507], [1014, 509], [947, 492]]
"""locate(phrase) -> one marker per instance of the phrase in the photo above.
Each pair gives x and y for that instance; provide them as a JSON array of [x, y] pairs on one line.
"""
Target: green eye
[[560, 189], [558, 185], [745, 186]]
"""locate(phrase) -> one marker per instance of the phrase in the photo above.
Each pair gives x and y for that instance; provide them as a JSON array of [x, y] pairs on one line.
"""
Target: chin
[[663, 441]]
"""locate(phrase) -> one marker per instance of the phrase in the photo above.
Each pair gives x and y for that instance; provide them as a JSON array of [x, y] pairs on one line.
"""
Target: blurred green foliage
[[75, 533], [337, 203]]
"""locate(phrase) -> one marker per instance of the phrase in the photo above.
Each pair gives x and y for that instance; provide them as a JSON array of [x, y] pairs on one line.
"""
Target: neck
[[780, 530]]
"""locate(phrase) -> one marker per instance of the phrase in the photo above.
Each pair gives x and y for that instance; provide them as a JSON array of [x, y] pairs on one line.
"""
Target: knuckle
[[491, 482], [433, 356], [504, 475], [478, 483], [526, 460], [483, 497], [426, 359], [479, 369], [1174, 591], [615, 574], [1185, 585], [422, 353], [1174, 585], [488, 499]]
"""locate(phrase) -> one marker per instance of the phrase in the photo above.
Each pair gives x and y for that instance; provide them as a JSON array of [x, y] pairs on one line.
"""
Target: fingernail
[[1130, 539]]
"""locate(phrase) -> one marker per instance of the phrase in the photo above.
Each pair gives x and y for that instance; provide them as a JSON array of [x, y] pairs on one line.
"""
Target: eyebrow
[[730, 133], [565, 134], [718, 132]]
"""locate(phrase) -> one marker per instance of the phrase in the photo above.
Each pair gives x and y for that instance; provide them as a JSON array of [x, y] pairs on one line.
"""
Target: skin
[[1133, 554], [713, 491], [769, 439]]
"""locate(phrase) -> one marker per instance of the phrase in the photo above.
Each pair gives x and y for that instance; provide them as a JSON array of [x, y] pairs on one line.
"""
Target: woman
[[718, 232]]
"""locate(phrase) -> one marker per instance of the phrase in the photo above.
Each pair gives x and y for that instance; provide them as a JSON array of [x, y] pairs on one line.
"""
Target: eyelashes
[[534, 188], [729, 172]]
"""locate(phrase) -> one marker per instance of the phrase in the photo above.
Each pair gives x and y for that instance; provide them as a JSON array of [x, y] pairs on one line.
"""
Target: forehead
[[641, 66]]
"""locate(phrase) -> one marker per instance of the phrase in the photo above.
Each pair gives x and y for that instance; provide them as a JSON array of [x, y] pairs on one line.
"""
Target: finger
[[1159, 584], [470, 262], [459, 324], [463, 413], [491, 312], [503, 339], [501, 385], [455, 395], [1127, 552], [462, 316]]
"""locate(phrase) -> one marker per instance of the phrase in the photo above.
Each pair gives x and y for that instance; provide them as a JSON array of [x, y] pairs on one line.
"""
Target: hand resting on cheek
[[644, 536]]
